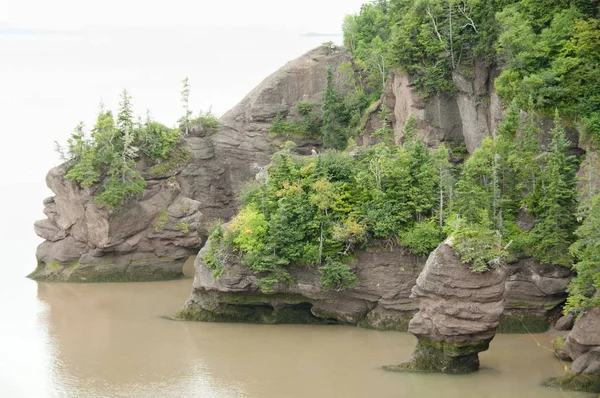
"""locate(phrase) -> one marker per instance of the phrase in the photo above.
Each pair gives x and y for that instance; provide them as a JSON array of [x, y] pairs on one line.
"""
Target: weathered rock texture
[[152, 235], [243, 140], [458, 313], [534, 292], [468, 116], [148, 239], [583, 346], [381, 300]]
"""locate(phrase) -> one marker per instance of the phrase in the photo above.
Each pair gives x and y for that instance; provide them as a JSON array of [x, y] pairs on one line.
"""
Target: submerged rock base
[[581, 382], [442, 357], [257, 312], [583, 346], [276, 308], [135, 271], [458, 314]]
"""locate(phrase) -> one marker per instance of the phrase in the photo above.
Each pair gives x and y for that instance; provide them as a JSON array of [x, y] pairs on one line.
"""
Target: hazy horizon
[[63, 60]]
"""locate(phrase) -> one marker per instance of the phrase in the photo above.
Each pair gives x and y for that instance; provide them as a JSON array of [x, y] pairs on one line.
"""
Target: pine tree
[[333, 133], [441, 161], [553, 233], [422, 192], [185, 120], [586, 250]]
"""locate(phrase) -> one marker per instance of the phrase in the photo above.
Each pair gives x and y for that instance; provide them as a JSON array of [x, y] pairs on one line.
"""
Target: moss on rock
[[94, 274], [259, 314], [441, 357], [397, 322], [582, 382], [513, 322]]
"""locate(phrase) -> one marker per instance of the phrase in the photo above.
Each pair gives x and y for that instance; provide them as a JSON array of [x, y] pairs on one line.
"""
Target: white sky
[[319, 15], [60, 58]]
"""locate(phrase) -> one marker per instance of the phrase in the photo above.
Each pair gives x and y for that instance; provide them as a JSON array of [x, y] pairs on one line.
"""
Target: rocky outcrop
[[469, 115], [459, 311], [243, 139], [583, 347], [534, 292], [151, 236], [478, 103], [381, 299], [148, 239]]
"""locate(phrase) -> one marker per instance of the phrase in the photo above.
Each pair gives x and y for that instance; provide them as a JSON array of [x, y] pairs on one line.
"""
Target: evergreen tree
[[423, 177], [333, 133], [553, 232], [441, 162], [586, 250], [185, 120]]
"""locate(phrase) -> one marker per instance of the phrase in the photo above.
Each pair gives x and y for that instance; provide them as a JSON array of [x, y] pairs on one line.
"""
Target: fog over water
[[58, 61]]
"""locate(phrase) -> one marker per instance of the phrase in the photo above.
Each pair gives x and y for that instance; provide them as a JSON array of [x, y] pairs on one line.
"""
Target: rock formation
[[534, 292], [466, 117], [458, 313], [152, 236], [381, 300], [149, 239], [583, 347], [243, 139]]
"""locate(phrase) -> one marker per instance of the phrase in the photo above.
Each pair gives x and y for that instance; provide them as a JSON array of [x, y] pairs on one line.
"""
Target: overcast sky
[[318, 15], [60, 58]]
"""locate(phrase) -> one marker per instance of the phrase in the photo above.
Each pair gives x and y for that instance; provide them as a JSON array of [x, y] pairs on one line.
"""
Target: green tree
[[556, 210], [185, 120], [586, 250], [334, 135]]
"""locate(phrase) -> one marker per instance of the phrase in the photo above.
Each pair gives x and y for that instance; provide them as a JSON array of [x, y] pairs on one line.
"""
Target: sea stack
[[459, 311]]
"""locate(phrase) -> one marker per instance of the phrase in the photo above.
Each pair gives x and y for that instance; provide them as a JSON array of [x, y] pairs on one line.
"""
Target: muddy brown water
[[112, 340]]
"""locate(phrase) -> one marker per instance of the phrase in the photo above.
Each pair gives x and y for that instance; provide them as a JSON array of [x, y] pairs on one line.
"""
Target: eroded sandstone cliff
[[151, 236], [381, 299]]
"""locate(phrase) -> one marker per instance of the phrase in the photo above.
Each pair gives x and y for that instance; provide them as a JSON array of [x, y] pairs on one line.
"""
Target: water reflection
[[110, 339]]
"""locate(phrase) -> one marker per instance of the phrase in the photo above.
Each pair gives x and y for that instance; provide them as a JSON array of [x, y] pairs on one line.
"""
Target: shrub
[[422, 239], [161, 221], [337, 276], [183, 227], [479, 244], [209, 122]]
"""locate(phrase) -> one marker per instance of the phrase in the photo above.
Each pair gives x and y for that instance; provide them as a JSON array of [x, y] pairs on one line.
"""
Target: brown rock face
[[478, 104], [583, 346], [585, 335], [243, 139], [381, 299], [149, 238], [469, 116], [152, 235], [458, 313], [533, 291]]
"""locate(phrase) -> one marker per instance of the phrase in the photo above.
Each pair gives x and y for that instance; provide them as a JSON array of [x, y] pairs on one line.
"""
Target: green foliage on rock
[[479, 244], [336, 275], [557, 205], [110, 154], [209, 122], [586, 251], [213, 258], [548, 50], [422, 239], [510, 175], [316, 211]]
